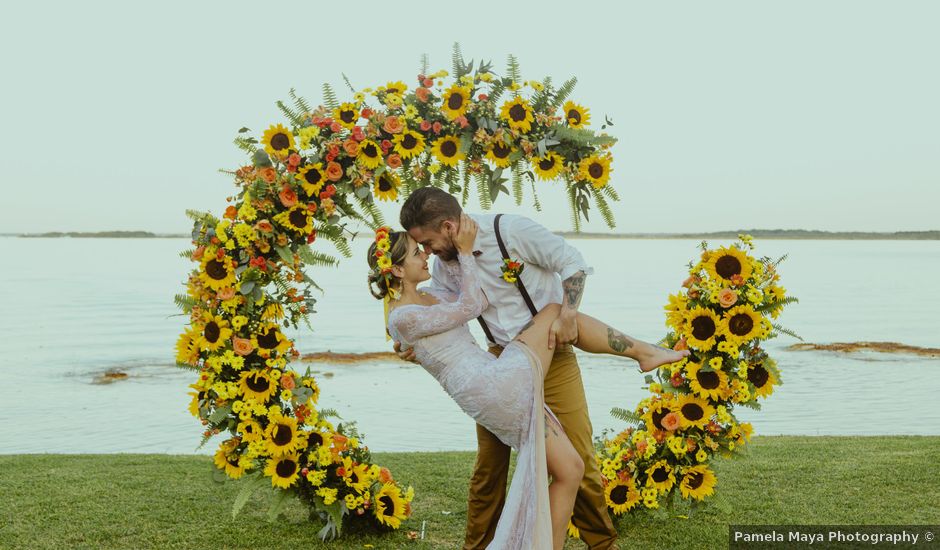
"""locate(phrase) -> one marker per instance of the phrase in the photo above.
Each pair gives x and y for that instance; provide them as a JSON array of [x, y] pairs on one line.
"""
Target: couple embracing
[[525, 390]]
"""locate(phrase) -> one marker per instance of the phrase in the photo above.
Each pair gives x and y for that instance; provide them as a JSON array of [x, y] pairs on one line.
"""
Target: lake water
[[73, 308]]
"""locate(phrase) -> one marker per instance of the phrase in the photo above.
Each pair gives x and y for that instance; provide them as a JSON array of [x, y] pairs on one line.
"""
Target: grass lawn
[[165, 501]]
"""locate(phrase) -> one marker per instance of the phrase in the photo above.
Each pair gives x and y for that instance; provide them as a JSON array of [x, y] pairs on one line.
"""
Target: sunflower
[[676, 310], [518, 114], [356, 476], [282, 437], [397, 87], [311, 179], [283, 470], [390, 506], [621, 495], [701, 328], [250, 430], [214, 332], [499, 153], [697, 482], [187, 347], [660, 476], [408, 144], [709, 384], [199, 397], [654, 415], [369, 154], [455, 102], [255, 384], [549, 166], [573, 531], [233, 463], [269, 338], [726, 262], [298, 219], [576, 115], [595, 170], [215, 273], [277, 140], [762, 378], [740, 325], [694, 411], [347, 115], [386, 186], [447, 150]]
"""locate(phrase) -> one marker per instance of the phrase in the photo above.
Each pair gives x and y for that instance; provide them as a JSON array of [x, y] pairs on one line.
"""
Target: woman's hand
[[466, 235]]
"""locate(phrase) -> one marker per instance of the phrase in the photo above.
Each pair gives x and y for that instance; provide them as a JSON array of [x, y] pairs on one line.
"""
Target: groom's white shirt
[[548, 260]]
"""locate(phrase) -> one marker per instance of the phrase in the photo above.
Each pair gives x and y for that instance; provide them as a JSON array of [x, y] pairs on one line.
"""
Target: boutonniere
[[512, 269]]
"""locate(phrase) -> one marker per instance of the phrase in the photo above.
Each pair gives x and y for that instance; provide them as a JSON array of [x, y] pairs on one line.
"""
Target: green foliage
[[575, 207], [297, 119], [250, 484], [424, 64], [185, 302], [581, 136], [329, 97], [513, 70], [517, 184], [564, 91], [300, 103], [334, 234], [625, 415], [788, 332], [603, 207], [483, 191], [247, 144], [348, 83], [535, 196], [311, 257]]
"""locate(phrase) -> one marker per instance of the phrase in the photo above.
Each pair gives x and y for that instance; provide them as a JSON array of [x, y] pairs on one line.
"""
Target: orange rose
[[243, 346], [351, 147], [230, 212], [393, 125], [268, 174], [288, 197], [727, 297], [670, 421], [682, 344], [393, 161], [423, 94], [334, 172], [385, 475], [264, 226], [641, 446], [226, 293], [287, 382]]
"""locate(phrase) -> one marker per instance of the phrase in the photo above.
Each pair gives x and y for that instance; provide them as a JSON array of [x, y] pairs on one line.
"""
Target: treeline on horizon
[[756, 233]]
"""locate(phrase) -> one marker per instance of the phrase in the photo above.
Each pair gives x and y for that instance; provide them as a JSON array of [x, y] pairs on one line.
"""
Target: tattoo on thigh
[[549, 425], [618, 341]]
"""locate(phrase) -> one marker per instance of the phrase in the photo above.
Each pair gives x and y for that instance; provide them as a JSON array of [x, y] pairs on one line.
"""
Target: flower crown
[[383, 261]]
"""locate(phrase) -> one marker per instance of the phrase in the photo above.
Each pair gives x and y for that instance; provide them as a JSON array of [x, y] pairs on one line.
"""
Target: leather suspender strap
[[522, 290], [502, 249]]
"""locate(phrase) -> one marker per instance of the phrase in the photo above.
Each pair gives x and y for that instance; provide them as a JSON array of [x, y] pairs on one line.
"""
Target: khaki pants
[[564, 395]]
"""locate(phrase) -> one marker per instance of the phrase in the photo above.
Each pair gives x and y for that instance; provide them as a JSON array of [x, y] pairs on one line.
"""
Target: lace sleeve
[[416, 322]]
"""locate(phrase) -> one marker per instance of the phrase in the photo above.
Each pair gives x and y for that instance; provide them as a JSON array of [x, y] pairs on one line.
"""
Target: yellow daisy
[[408, 144], [447, 150], [370, 155], [455, 102], [576, 115], [697, 482], [283, 471], [701, 328], [595, 170], [278, 140], [518, 114], [386, 186], [548, 167]]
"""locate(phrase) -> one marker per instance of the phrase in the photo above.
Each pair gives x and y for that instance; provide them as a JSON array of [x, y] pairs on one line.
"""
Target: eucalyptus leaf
[[261, 159], [541, 147], [219, 414], [247, 287], [218, 475], [285, 254], [363, 191], [243, 129], [277, 503]]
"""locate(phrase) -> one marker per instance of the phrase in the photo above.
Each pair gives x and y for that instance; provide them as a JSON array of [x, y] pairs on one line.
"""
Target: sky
[[729, 114]]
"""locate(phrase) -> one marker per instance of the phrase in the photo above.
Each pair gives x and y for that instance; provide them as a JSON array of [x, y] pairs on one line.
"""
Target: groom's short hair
[[428, 207]]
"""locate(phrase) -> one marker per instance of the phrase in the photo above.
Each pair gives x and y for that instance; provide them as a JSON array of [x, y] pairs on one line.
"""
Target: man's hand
[[407, 354], [564, 329]]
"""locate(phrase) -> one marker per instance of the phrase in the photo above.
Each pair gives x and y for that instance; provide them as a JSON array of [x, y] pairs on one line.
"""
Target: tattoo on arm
[[573, 288], [618, 341]]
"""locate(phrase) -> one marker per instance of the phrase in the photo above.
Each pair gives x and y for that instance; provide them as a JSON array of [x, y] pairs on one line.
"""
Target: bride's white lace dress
[[503, 394]]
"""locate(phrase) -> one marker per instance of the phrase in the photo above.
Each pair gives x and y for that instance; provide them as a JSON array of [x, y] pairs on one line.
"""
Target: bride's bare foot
[[657, 356]]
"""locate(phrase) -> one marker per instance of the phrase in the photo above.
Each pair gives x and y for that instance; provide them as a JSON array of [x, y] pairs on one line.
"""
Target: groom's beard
[[448, 255]]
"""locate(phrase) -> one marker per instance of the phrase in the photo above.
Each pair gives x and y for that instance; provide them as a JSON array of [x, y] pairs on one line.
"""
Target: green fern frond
[[781, 259], [295, 118], [535, 196], [458, 63], [299, 102], [204, 217], [425, 62], [625, 415], [315, 258], [788, 332], [611, 193], [604, 208], [517, 183], [329, 97], [338, 240], [185, 302], [564, 91], [496, 91], [465, 190], [188, 366], [776, 305], [249, 145], [512, 69], [573, 203], [483, 191], [348, 83], [187, 254]]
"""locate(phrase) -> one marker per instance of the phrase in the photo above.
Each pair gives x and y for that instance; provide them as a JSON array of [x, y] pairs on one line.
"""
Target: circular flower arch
[[307, 179]]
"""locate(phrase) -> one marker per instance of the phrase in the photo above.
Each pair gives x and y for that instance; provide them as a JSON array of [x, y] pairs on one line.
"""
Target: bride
[[502, 394]]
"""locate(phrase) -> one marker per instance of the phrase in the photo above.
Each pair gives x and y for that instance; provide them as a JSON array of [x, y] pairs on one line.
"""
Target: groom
[[554, 272]]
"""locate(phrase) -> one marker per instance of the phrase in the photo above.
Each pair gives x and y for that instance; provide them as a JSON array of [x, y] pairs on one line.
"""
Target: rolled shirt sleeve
[[539, 246]]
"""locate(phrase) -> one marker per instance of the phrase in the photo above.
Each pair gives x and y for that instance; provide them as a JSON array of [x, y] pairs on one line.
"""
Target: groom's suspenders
[[522, 290]]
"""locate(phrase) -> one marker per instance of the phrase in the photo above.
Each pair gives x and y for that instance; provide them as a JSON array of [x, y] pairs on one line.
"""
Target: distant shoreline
[[795, 234]]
